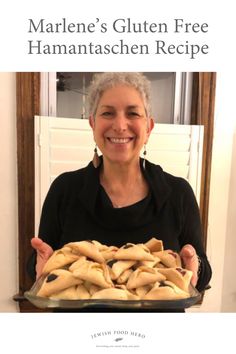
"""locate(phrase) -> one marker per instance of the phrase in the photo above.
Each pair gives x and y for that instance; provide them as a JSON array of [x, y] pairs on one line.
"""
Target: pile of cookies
[[90, 270]]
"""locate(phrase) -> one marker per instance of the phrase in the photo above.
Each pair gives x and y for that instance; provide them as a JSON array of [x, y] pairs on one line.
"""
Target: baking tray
[[46, 303]]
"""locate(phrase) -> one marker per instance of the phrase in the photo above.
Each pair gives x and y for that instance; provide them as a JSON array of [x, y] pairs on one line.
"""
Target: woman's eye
[[133, 114], [106, 114]]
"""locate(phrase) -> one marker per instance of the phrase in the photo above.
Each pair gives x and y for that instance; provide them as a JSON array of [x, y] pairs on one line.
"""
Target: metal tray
[[43, 303]]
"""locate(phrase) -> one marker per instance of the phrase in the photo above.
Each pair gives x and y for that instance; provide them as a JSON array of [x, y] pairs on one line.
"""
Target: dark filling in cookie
[[181, 271], [162, 283], [51, 277], [127, 246], [110, 263], [173, 254]]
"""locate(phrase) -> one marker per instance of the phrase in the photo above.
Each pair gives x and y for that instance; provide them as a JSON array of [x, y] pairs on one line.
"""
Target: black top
[[78, 208]]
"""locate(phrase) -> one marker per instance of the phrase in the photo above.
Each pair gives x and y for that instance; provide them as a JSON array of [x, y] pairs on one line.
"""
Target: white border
[[37, 333]]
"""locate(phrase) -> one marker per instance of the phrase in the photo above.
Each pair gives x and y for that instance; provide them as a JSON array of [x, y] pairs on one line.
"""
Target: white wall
[[8, 193], [229, 280]]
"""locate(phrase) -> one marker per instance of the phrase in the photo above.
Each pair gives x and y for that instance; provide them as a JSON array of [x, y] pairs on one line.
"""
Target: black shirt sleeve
[[192, 234], [50, 227], [50, 224]]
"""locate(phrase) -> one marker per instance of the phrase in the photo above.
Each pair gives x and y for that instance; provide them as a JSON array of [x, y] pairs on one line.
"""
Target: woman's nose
[[120, 123]]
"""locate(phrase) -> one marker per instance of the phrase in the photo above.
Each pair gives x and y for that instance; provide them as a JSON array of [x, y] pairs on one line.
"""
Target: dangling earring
[[144, 156], [96, 159]]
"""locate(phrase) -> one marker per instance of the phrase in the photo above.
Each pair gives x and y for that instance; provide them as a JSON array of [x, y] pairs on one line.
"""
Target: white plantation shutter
[[178, 150], [66, 144]]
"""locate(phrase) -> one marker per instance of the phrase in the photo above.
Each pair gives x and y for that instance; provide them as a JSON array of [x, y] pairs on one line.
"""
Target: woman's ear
[[92, 122], [150, 125]]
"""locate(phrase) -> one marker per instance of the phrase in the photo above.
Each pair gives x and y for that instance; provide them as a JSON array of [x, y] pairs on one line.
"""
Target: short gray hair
[[103, 81]]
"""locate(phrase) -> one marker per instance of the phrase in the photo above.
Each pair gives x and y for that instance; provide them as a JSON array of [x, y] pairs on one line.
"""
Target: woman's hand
[[44, 251], [190, 261]]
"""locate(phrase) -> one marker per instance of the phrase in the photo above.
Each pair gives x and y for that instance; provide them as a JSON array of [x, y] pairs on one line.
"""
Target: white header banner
[[122, 36]]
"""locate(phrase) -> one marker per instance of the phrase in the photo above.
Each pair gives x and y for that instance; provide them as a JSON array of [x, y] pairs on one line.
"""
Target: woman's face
[[121, 126]]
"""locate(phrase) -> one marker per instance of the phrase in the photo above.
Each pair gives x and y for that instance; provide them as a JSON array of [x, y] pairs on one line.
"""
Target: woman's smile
[[120, 140]]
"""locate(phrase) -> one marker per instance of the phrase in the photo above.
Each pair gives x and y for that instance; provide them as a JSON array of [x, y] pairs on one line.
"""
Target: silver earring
[[144, 156], [96, 158]]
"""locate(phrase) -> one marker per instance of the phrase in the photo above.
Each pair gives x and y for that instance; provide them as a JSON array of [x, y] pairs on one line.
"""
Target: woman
[[120, 197]]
